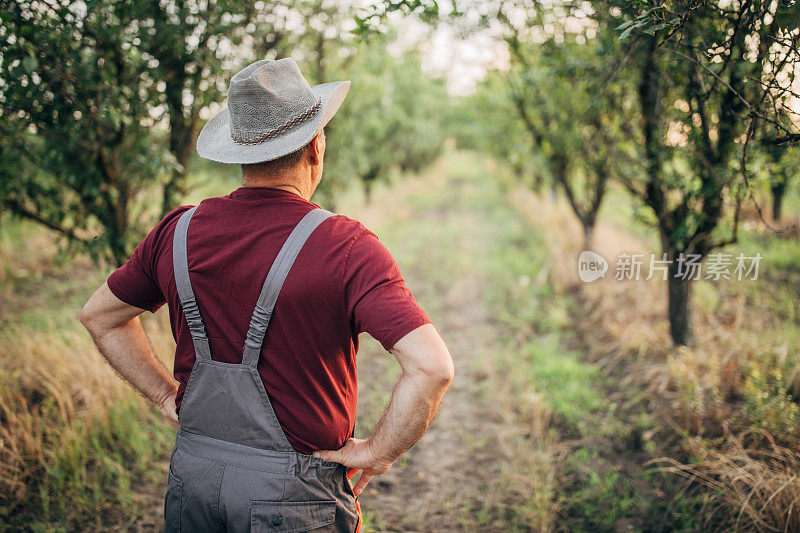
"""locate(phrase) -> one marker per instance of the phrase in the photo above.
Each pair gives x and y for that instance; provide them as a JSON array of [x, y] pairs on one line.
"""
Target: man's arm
[[117, 331], [427, 373]]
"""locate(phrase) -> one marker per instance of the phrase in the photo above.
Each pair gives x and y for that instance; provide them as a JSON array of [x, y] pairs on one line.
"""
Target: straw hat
[[272, 111]]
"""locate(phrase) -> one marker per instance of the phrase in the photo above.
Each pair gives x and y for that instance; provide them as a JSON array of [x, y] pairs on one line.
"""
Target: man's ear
[[316, 148]]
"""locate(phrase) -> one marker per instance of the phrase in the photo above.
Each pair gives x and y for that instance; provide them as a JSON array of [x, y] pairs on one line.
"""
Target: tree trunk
[[118, 250], [182, 126], [181, 146], [679, 292], [538, 182], [173, 188], [778, 190], [367, 192], [369, 180], [321, 57], [588, 236]]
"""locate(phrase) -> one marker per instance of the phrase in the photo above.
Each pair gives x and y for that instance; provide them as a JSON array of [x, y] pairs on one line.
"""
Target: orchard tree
[[191, 48], [100, 106], [570, 101], [77, 133], [390, 118], [710, 75], [419, 100], [487, 121]]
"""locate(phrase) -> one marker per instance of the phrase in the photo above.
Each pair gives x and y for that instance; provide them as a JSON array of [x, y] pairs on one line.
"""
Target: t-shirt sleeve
[[136, 282], [375, 293]]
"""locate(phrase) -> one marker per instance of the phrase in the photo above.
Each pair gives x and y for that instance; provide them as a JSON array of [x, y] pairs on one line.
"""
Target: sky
[[462, 61], [452, 52]]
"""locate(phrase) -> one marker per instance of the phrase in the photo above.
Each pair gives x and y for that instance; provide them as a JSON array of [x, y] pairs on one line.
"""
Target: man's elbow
[[440, 370], [423, 354], [91, 316], [88, 316], [104, 312]]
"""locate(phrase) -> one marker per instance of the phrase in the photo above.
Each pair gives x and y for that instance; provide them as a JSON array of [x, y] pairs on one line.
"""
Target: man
[[267, 294]]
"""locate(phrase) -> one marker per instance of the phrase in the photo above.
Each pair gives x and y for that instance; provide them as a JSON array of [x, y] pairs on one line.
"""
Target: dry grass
[[760, 485], [526, 455], [41, 400], [703, 393], [65, 415], [56, 392]]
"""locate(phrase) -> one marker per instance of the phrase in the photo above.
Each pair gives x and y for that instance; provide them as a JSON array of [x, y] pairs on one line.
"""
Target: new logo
[[591, 266]]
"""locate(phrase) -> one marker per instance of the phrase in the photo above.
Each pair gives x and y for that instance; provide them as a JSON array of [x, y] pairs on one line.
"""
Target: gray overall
[[232, 468]]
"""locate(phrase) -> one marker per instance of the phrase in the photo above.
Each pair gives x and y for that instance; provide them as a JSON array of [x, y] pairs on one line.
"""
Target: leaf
[[626, 33], [624, 25], [653, 29]]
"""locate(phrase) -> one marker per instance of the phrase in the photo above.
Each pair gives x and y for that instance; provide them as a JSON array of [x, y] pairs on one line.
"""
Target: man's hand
[[356, 454], [169, 411], [427, 373]]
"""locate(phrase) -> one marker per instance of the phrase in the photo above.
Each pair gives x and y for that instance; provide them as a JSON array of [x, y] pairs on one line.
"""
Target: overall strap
[[275, 278], [180, 264]]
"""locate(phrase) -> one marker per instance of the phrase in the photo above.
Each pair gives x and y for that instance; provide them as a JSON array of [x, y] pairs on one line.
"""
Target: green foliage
[[487, 121], [75, 121], [769, 406], [86, 90], [698, 104], [648, 20], [603, 497], [370, 21], [562, 109], [389, 120]]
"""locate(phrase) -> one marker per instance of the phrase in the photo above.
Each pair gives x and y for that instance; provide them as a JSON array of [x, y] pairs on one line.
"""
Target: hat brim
[[215, 141]]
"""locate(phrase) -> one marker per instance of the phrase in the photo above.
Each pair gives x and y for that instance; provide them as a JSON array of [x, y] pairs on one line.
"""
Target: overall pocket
[[173, 504], [289, 517]]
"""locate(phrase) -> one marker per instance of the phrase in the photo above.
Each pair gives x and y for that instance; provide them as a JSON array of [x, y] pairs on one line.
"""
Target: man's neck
[[290, 188], [293, 184]]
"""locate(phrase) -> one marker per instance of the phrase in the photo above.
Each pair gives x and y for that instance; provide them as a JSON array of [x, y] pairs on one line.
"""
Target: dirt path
[[435, 481], [461, 476]]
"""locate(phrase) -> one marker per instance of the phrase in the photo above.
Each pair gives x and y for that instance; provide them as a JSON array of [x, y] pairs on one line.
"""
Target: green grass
[[779, 252], [566, 381], [526, 305], [603, 496]]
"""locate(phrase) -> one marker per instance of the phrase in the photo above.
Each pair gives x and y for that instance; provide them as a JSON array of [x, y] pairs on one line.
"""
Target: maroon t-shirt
[[343, 282]]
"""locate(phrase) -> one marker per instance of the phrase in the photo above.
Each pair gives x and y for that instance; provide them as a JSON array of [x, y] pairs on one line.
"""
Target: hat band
[[258, 138]]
